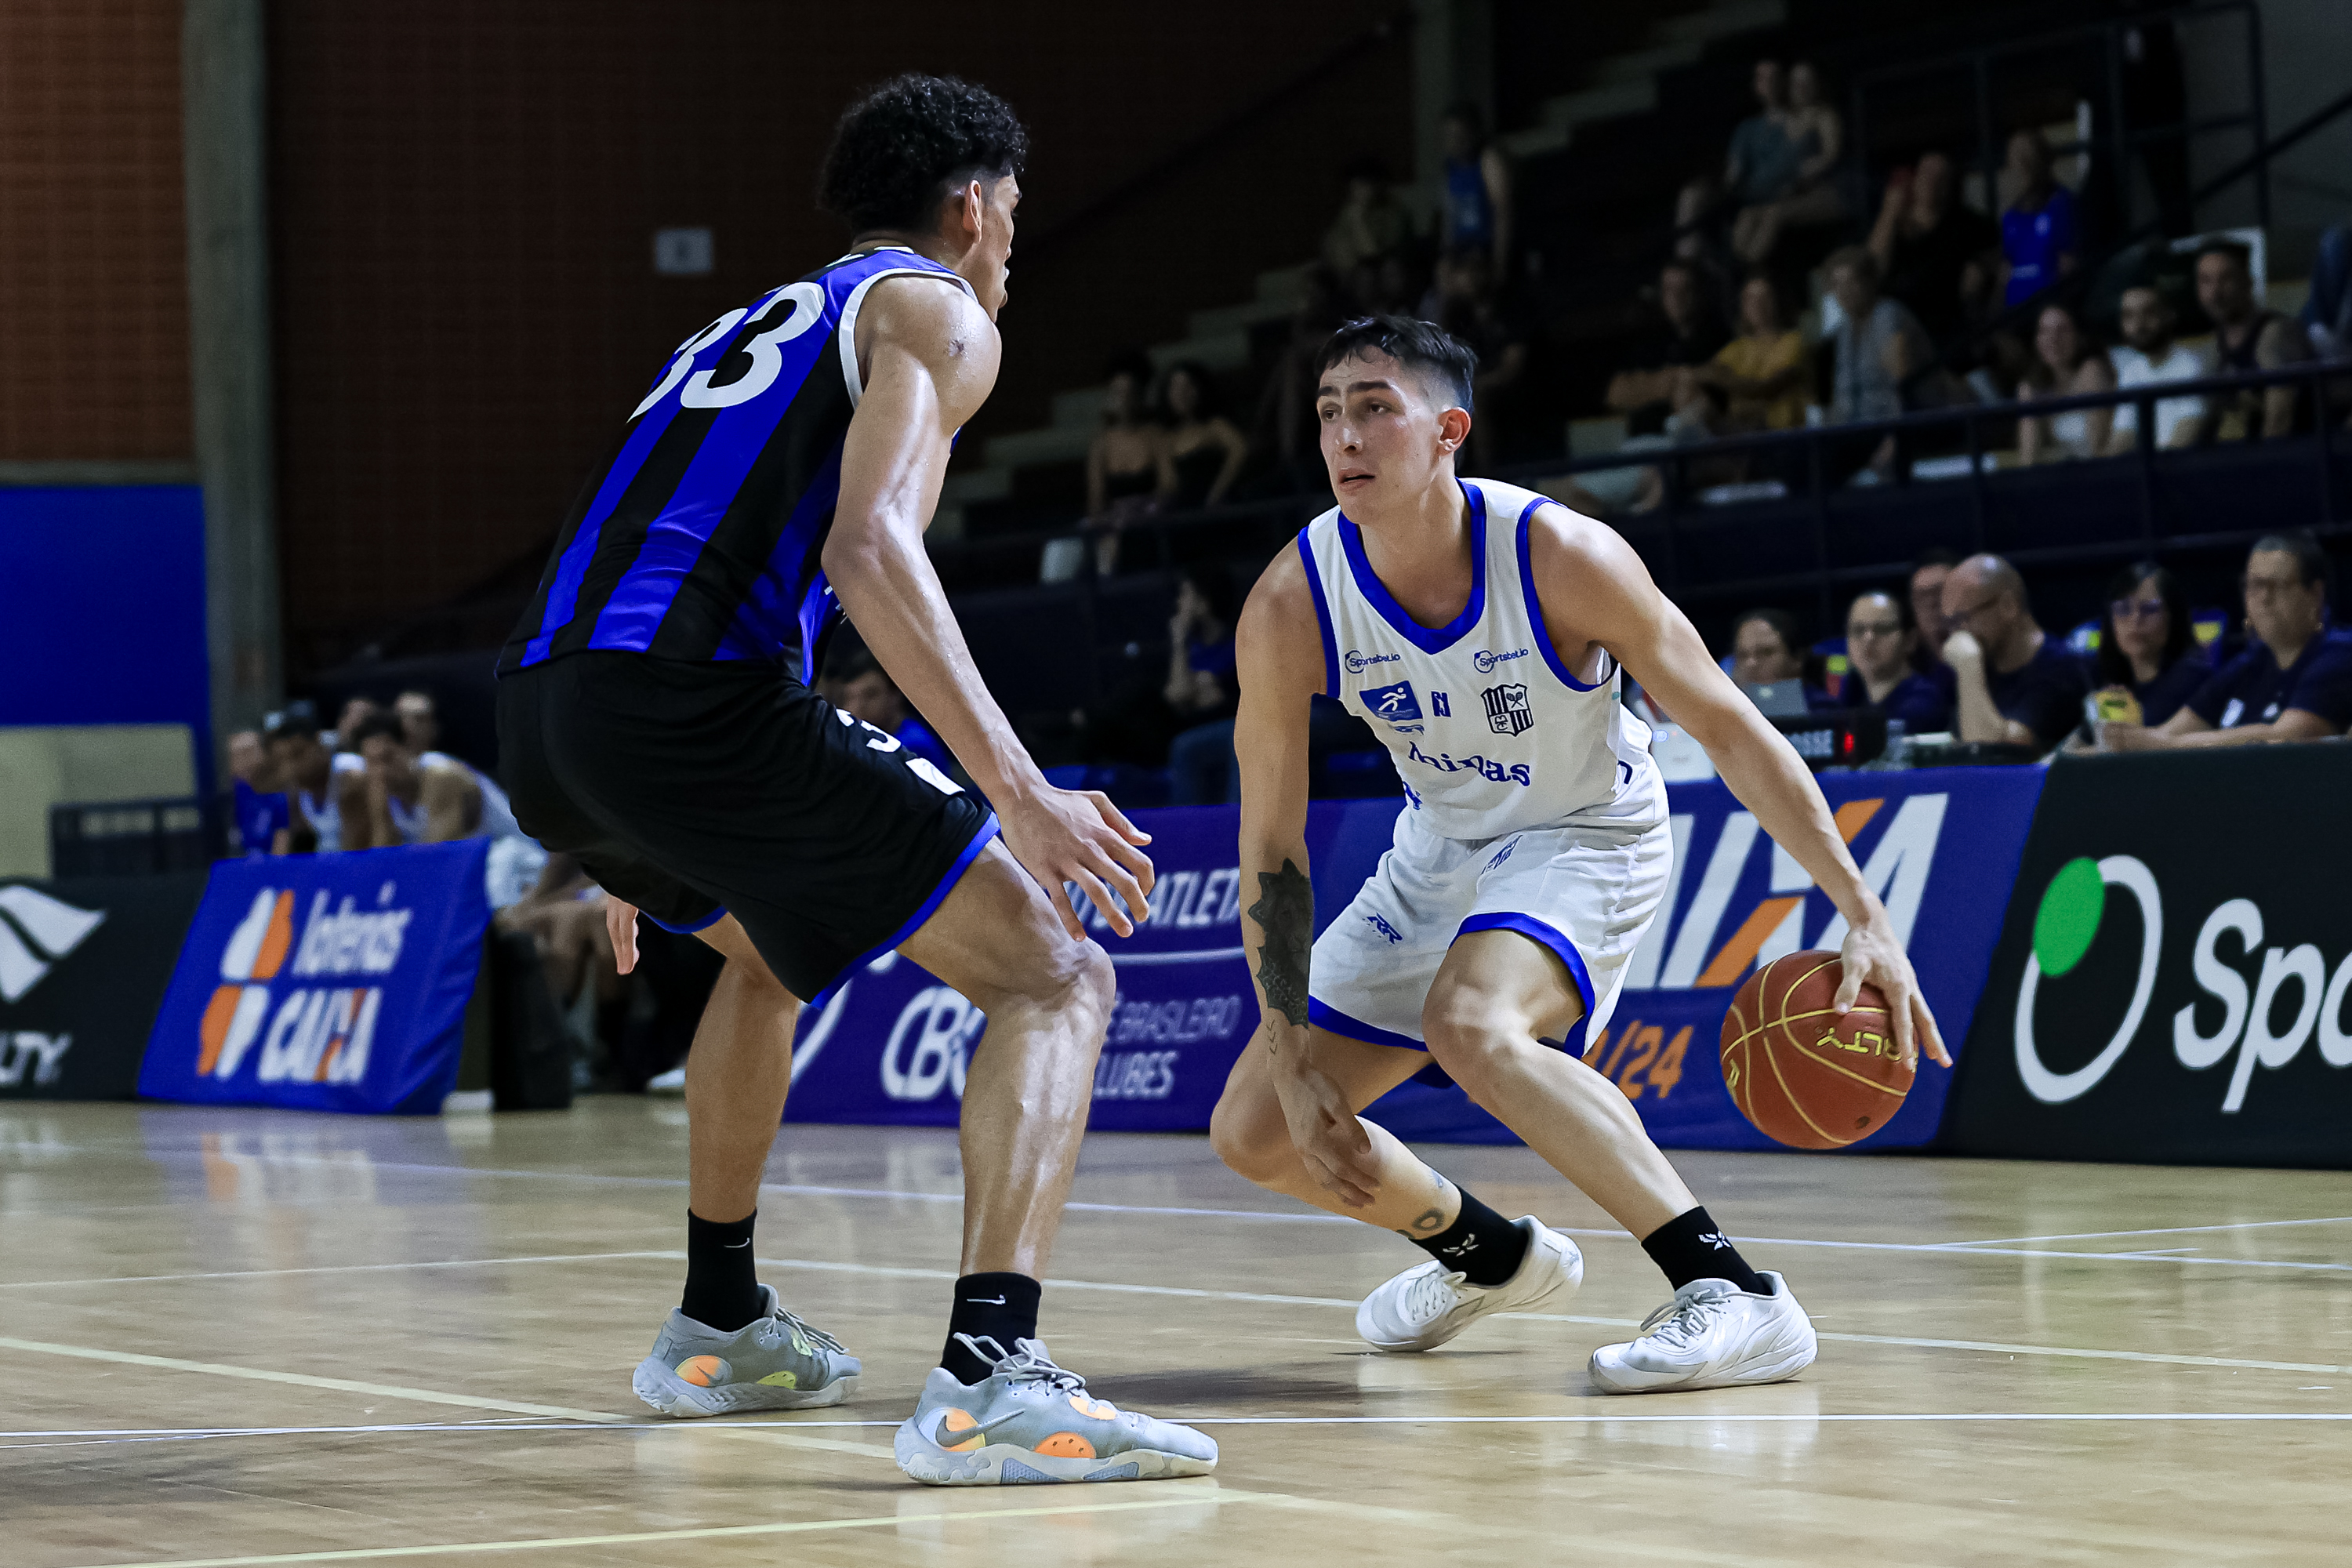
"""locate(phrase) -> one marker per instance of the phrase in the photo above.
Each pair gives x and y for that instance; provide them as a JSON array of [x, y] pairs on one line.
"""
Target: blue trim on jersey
[[765, 621], [817, 609], [927, 908], [704, 923], [1323, 618], [1376, 593], [563, 594], [1544, 935], [1534, 607], [1323, 1015]]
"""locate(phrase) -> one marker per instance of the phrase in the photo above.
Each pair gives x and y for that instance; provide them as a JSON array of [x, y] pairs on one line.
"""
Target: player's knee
[[1254, 1145], [1058, 976], [1471, 1049]]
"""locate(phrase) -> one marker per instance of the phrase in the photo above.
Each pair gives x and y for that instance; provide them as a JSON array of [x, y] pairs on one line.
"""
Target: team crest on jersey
[[1507, 710], [1396, 704]]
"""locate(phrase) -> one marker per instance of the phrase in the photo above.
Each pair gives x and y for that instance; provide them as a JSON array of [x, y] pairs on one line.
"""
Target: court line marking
[[709, 1532], [2164, 1230], [395, 1391], [337, 1269]]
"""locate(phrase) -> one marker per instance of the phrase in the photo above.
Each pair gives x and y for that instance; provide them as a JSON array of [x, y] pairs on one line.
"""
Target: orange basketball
[[1804, 1074]]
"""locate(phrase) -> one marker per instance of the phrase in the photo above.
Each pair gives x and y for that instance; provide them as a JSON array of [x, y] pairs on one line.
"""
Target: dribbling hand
[[1063, 836], [1873, 956]]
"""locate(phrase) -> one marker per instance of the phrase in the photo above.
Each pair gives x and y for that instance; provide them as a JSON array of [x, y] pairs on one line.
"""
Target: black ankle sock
[[1689, 1247], [722, 1283], [1486, 1247], [1000, 1307]]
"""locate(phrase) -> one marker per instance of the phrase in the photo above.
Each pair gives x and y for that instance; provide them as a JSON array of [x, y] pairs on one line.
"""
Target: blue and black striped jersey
[[702, 538]]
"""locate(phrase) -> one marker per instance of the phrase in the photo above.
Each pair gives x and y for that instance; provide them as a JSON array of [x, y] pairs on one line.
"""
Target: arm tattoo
[[1285, 913]]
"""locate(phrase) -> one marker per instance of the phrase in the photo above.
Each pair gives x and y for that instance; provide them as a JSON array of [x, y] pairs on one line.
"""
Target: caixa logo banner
[[2165, 994], [330, 983], [1939, 848], [892, 1044]]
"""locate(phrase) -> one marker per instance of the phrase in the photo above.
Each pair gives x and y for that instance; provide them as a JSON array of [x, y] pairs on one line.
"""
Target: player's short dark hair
[[377, 723], [1428, 350], [899, 149]]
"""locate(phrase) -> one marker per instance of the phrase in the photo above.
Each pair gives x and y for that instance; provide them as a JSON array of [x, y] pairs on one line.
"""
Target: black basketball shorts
[[694, 790]]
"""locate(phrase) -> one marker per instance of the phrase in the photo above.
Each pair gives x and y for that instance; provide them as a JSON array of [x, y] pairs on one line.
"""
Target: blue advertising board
[[892, 1044], [325, 983]]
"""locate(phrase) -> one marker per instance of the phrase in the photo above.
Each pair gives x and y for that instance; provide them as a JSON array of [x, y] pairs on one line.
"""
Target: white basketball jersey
[[1490, 730]]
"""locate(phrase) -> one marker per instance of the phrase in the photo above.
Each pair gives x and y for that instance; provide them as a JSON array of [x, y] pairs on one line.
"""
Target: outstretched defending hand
[[1873, 955], [621, 925], [1063, 836], [1332, 1143]]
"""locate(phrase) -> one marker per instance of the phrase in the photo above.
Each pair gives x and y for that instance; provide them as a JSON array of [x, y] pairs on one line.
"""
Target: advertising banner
[[2171, 984], [891, 1044], [1939, 847], [325, 983], [83, 964]]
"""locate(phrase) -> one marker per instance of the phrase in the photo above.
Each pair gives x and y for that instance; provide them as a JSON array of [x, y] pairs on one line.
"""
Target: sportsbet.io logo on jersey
[[308, 1032]]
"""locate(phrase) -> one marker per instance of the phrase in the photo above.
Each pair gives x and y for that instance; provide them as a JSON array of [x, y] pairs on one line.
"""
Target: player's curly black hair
[[900, 147]]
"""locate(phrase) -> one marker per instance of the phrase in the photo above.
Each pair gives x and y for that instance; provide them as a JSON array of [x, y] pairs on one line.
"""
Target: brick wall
[[93, 260]]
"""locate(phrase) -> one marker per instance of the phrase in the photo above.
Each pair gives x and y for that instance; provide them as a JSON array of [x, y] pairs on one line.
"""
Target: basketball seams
[[1772, 1061], [1843, 1070], [1775, 989]]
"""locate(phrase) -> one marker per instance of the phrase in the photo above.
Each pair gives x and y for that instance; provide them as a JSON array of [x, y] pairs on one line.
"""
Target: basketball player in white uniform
[[1480, 629]]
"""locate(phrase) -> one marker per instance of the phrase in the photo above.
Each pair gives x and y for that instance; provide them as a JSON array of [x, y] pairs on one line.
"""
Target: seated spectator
[[1768, 649], [1285, 422], [1930, 571], [2148, 662], [431, 797], [868, 694], [1129, 471], [356, 711], [1207, 449], [1472, 308], [1760, 167], [1936, 253], [1201, 689], [2017, 685], [2039, 244], [326, 790], [1886, 365], [1881, 636], [2293, 682], [420, 721], [1815, 135], [2149, 358], [1765, 372], [1656, 380], [2066, 364], [263, 821], [2326, 314], [2247, 337], [1476, 214], [564, 916], [1371, 224]]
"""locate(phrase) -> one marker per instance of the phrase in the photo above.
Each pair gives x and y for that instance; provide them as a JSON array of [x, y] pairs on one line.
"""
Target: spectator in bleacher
[[1472, 307], [1764, 373], [2038, 242], [2149, 357], [1129, 471], [563, 914], [1476, 197], [2017, 684], [431, 797], [2327, 313], [2066, 364], [2247, 337], [1201, 689], [1285, 424], [1936, 253], [1815, 135], [867, 693], [1886, 364], [1371, 224], [325, 789], [1657, 379], [1759, 168], [420, 721], [2147, 647], [263, 821], [1207, 449], [1769, 650], [1882, 635], [2293, 682], [356, 711]]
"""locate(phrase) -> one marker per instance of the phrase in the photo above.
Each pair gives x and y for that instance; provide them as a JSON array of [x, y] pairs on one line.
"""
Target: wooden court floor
[[244, 1337]]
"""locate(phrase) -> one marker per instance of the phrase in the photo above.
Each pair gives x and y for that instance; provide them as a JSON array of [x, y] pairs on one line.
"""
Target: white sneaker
[[1427, 1305], [670, 1082], [1712, 1335]]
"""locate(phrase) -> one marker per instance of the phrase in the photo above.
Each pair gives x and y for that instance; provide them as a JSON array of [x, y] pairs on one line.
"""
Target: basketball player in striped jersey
[[655, 720], [1479, 628]]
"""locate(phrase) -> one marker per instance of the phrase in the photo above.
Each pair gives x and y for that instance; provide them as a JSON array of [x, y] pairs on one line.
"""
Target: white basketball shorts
[[1587, 893]]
